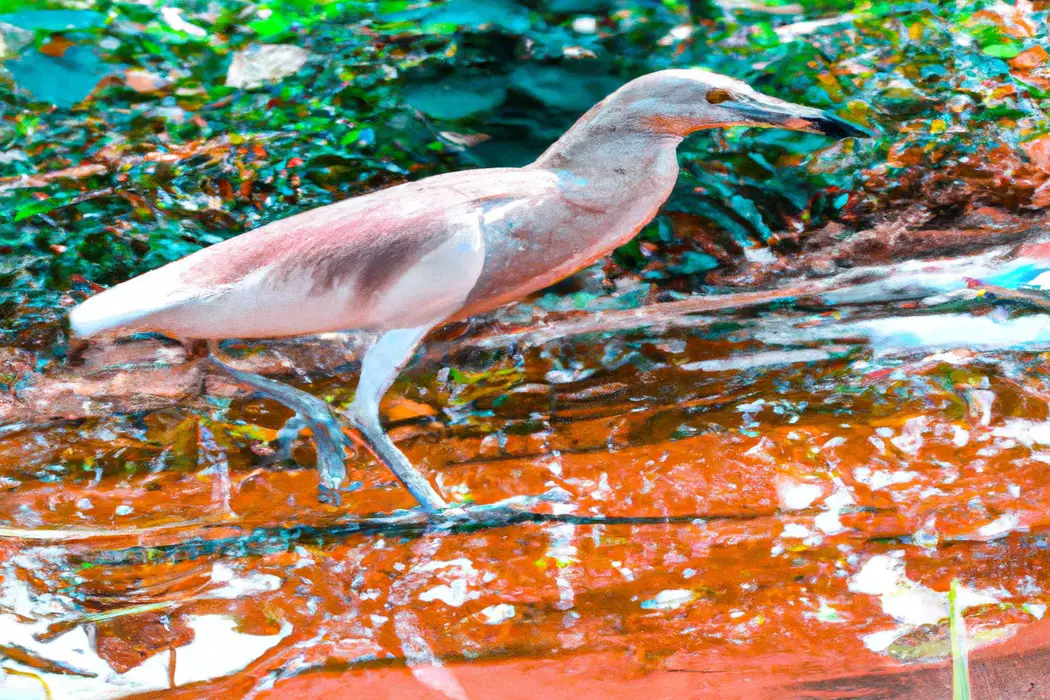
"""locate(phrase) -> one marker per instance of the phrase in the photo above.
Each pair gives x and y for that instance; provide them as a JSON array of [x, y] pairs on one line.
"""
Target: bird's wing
[[332, 268]]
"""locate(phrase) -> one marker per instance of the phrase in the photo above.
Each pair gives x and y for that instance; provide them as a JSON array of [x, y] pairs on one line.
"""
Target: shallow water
[[759, 502]]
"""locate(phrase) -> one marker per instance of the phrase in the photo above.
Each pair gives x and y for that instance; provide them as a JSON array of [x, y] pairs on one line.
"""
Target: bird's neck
[[595, 150]]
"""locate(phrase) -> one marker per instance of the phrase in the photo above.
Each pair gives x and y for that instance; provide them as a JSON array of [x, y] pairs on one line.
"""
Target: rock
[[260, 64], [13, 39], [13, 155]]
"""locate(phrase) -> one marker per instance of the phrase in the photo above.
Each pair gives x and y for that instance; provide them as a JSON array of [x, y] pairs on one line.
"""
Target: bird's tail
[[98, 315], [127, 304]]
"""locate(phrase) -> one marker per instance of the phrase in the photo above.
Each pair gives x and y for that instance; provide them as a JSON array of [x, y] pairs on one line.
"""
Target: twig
[[400, 523], [174, 154], [758, 6], [26, 657], [659, 314], [790, 32], [16, 672], [77, 534]]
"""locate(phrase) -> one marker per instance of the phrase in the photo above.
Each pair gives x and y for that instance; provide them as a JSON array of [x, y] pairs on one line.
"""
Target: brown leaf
[[127, 642], [56, 47], [1030, 58], [398, 408], [144, 81]]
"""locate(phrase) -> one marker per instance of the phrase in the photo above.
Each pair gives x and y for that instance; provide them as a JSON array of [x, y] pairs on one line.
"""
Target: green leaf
[[457, 96], [55, 20], [62, 81], [763, 35], [470, 14], [40, 207], [747, 210], [577, 7], [1001, 111], [277, 23], [1004, 51], [574, 89], [693, 263], [630, 254]]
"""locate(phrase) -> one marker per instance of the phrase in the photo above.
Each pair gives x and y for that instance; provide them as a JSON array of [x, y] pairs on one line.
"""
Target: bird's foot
[[505, 512], [331, 444], [329, 496], [310, 412], [287, 436], [291, 431]]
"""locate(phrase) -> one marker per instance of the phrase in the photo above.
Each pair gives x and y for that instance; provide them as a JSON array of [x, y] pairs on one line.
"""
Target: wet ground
[[770, 499]]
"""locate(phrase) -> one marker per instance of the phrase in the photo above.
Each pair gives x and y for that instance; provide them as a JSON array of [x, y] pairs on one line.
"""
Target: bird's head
[[681, 101]]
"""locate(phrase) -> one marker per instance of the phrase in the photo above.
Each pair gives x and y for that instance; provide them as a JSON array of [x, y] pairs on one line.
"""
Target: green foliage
[[54, 20], [456, 96], [455, 15], [62, 81], [128, 177]]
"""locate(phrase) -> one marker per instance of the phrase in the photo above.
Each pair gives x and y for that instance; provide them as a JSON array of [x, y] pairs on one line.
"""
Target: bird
[[399, 262]]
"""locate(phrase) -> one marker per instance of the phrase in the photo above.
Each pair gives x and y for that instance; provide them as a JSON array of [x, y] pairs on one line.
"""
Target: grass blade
[[960, 658]]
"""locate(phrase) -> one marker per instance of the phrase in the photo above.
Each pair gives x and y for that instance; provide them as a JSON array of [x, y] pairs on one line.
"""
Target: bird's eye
[[717, 97]]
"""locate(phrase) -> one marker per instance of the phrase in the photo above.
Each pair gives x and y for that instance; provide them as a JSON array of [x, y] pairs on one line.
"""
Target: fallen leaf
[[144, 81], [1030, 59]]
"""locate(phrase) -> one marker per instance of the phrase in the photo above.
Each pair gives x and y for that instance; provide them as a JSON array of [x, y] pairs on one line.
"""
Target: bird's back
[[318, 271]]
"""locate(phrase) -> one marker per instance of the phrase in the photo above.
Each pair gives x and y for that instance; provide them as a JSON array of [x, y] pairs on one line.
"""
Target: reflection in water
[[785, 487]]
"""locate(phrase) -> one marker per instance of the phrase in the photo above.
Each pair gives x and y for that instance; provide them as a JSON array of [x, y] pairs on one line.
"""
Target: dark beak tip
[[837, 127]]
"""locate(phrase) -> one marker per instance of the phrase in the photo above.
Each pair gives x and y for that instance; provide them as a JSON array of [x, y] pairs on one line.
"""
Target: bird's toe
[[507, 511], [329, 496], [286, 437]]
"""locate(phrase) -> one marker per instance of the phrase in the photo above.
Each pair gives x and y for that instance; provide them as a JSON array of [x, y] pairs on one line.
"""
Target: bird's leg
[[286, 437], [381, 365], [311, 412]]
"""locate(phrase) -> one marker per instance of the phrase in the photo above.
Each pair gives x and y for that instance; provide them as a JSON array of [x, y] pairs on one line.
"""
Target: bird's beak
[[837, 127], [763, 110]]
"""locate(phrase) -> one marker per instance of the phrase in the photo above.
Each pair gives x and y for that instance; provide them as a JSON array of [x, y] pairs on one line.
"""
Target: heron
[[399, 262]]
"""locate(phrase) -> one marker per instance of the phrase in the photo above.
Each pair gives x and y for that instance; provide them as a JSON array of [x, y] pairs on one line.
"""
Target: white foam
[[1001, 526], [758, 359], [796, 495], [671, 599], [828, 522], [941, 331], [905, 600], [495, 614], [217, 650]]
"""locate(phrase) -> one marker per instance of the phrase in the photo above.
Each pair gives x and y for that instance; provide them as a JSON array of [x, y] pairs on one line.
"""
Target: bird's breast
[[530, 245]]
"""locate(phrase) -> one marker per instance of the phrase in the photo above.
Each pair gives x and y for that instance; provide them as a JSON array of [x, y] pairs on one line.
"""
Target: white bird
[[402, 261]]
